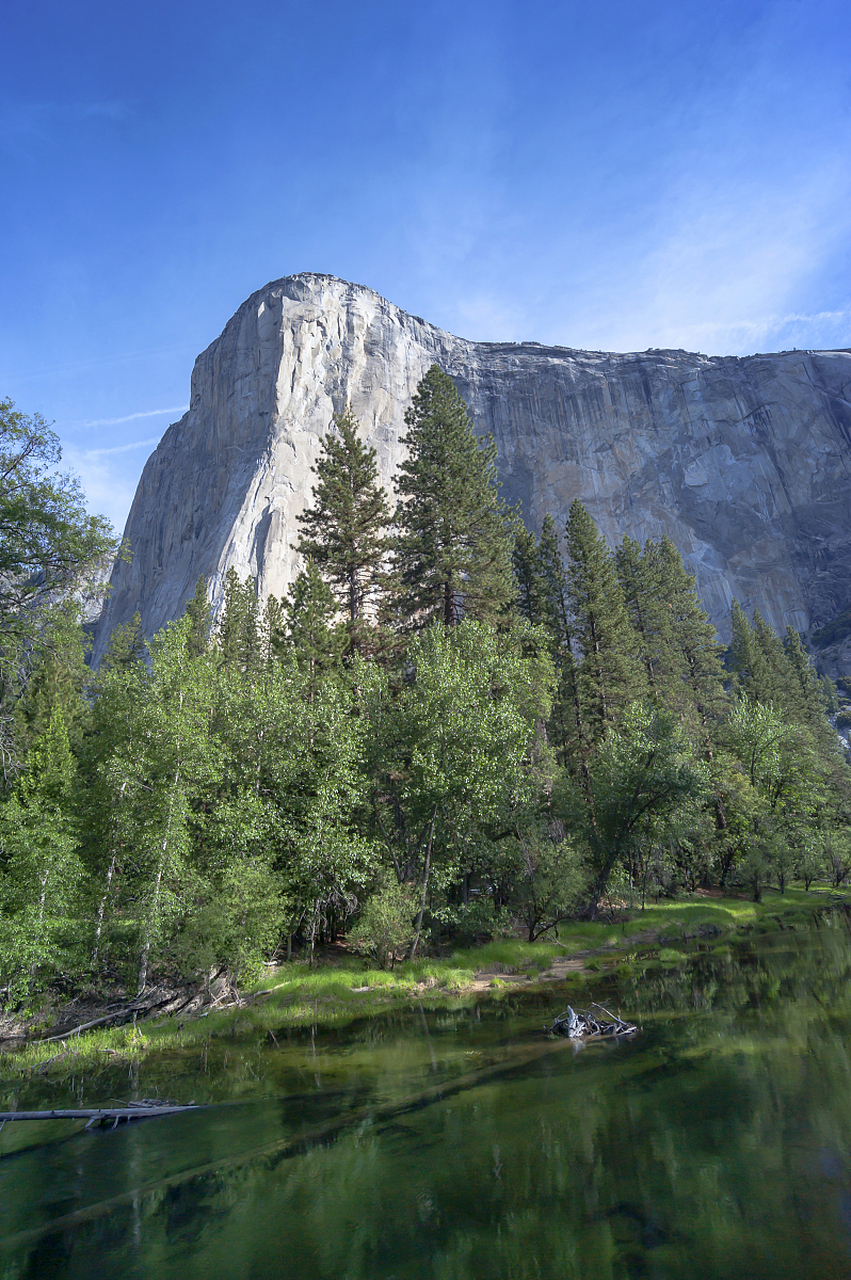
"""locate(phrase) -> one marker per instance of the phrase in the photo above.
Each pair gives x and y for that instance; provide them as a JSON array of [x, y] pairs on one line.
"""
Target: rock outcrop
[[745, 463]]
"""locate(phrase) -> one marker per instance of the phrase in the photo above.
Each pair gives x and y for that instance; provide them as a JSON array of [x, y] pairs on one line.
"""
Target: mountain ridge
[[744, 461]]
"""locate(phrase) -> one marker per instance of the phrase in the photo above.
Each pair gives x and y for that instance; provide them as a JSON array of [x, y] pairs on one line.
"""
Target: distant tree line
[[448, 727]]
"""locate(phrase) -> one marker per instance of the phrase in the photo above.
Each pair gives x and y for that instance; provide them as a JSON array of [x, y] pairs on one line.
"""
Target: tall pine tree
[[529, 587], [238, 639], [567, 723], [810, 692], [747, 659], [639, 576], [343, 532], [610, 674], [200, 614], [317, 643], [690, 672], [452, 549]]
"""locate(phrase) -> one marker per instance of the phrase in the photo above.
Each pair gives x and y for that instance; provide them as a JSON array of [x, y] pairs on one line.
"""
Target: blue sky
[[610, 176]]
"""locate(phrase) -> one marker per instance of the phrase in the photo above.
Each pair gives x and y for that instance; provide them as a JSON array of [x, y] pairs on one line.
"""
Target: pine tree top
[[344, 530], [452, 551]]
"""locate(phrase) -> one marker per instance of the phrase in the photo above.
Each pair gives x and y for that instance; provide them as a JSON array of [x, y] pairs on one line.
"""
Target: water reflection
[[465, 1145]]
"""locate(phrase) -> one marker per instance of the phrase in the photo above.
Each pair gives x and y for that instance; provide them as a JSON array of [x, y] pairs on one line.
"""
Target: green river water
[[464, 1143]]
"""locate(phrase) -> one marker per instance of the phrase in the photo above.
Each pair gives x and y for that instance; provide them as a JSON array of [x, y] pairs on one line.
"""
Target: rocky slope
[[744, 463]]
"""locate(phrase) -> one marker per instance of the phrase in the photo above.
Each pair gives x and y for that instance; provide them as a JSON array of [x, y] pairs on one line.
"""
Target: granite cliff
[[744, 462]]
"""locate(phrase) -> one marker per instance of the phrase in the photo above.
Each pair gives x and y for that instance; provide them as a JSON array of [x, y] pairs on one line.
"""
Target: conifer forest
[[449, 728]]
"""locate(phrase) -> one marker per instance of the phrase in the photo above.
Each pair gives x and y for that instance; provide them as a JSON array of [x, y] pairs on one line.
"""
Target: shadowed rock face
[[744, 463]]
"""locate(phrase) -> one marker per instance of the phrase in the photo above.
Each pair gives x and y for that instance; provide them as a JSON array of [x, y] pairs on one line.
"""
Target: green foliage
[[568, 729], [691, 675], [645, 782], [58, 681], [451, 753], [48, 547], [833, 632], [609, 673], [549, 880], [451, 550], [747, 658], [311, 630], [238, 638], [542, 742], [40, 871], [237, 922], [386, 926], [200, 619], [759, 735], [808, 695], [343, 531], [126, 646]]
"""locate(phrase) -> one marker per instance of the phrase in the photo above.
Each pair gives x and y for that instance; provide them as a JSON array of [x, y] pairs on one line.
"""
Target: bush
[[386, 924]]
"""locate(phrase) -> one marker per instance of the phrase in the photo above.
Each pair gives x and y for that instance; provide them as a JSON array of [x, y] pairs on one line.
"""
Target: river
[[462, 1143]]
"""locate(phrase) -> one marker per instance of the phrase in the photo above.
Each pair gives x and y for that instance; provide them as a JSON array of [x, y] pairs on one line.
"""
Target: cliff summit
[[745, 463]]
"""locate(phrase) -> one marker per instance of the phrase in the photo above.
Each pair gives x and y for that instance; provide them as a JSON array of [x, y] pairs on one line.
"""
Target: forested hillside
[[447, 729]]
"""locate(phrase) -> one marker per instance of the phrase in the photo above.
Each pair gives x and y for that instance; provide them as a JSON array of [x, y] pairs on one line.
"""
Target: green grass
[[512, 955], [667, 955], [344, 989]]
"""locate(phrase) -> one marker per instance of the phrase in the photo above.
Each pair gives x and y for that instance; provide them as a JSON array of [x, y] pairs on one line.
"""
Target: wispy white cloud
[[823, 331], [724, 267], [120, 448], [108, 480], [132, 417]]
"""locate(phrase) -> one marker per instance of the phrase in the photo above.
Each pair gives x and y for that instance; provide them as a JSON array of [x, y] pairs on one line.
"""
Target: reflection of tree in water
[[715, 1146]]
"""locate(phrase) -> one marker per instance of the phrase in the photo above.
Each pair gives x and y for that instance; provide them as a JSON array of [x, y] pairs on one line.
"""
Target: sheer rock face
[[744, 463]]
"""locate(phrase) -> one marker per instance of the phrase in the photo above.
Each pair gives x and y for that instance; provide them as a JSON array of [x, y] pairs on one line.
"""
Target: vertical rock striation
[[744, 463]]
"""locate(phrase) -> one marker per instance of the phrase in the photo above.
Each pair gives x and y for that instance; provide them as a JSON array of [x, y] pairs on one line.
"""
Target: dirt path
[[560, 969]]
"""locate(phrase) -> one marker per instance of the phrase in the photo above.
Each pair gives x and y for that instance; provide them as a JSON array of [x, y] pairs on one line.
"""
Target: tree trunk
[[102, 907], [149, 928], [426, 871]]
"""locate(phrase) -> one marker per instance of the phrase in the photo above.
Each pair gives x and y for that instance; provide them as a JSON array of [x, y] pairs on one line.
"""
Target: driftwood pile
[[586, 1026]]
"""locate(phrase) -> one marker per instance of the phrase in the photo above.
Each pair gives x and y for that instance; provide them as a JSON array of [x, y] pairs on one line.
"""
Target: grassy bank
[[344, 987]]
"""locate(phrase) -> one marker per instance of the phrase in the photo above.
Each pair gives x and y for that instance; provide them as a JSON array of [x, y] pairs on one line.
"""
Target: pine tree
[[690, 671], [238, 637], [764, 668], [527, 576], [747, 659], [343, 532], [57, 683], [567, 724], [126, 646], [640, 580], [273, 629], [811, 691], [309, 616], [452, 550], [609, 673], [200, 614], [782, 686]]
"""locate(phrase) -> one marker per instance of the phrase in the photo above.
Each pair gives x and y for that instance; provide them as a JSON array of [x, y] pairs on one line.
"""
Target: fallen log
[[145, 1109], [585, 1026], [123, 1013]]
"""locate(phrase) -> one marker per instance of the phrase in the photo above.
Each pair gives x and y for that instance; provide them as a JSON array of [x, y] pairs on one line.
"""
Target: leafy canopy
[[46, 535]]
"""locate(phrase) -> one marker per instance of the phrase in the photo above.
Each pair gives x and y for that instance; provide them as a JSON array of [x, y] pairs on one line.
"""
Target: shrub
[[386, 924]]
